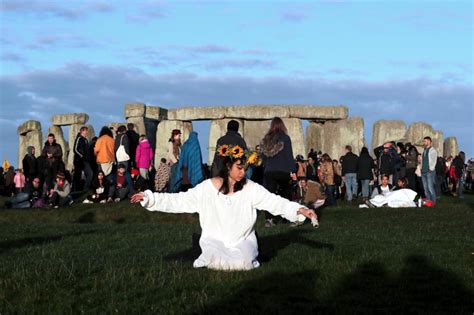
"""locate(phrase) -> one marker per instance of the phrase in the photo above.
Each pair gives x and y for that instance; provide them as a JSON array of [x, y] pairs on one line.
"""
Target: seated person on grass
[[227, 206], [383, 188], [100, 188], [121, 186], [33, 196], [60, 195]]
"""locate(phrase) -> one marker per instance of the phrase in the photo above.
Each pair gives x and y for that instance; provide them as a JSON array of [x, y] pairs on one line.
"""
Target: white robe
[[228, 240], [402, 198]]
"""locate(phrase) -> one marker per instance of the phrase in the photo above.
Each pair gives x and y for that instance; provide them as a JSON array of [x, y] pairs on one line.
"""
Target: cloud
[[238, 64], [59, 9], [12, 57], [148, 11], [295, 13], [102, 91], [66, 41]]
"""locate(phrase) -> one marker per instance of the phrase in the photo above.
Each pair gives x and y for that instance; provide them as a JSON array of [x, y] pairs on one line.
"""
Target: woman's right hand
[[137, 197]]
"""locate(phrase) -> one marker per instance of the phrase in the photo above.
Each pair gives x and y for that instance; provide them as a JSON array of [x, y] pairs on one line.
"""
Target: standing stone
[[296, 133], [163, 134], [29, 134], [156, 113], [254, 132], [91, 133], [69, 119], [58, 134], [139, 123], [135, 110], [451, 147], [218, 129], [332, 136], [387, 130], [417, 131]]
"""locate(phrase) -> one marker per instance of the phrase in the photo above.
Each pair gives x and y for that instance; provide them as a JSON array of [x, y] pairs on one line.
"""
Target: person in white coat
[[227, 206]]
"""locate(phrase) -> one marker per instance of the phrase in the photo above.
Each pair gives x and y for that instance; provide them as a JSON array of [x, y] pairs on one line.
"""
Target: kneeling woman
[[227, 207]]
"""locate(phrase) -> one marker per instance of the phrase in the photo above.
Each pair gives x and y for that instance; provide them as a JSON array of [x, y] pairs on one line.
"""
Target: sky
[[408, 60]]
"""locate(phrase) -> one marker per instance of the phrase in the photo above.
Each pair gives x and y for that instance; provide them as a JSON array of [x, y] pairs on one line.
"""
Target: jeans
[[460, 189], [330, 200], [365, 187], [351, 185], [79, 167], [438, 185], [429, 180]]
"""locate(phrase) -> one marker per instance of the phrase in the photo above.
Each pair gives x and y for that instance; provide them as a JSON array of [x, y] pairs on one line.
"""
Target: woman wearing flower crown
[[227, 207]]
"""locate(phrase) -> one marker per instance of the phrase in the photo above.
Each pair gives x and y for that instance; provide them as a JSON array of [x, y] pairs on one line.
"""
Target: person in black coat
[[349, 172], [133, 140], [30, 164], [81, 160], [365, 171], [232, 137]]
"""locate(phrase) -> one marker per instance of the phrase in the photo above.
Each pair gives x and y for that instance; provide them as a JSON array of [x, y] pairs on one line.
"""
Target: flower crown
[[237, 152]]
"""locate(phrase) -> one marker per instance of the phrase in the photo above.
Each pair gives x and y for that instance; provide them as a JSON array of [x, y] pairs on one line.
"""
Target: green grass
[[122, 259]]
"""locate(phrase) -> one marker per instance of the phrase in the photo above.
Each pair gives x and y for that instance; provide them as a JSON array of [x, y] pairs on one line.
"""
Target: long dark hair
[[106, 131], [276, 126], [223, 172]]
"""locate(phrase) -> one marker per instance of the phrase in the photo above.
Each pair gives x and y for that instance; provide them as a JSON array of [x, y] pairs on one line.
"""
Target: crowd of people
[[118, 163]]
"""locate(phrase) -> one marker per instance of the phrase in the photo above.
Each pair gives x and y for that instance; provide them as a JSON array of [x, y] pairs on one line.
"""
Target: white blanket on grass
[[403, 198]]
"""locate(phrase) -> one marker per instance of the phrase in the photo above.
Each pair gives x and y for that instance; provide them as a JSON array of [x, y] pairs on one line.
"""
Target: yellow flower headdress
[[237, 152]]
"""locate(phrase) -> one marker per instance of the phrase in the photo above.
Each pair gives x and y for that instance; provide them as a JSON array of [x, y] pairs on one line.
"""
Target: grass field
[[120, 258]]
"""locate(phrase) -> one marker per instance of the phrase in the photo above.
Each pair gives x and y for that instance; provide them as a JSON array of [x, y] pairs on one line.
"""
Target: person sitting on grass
[[383, 188], [100, 188], [402, 183], [60, 196], [32, 196], [227, 206], [121, 186]]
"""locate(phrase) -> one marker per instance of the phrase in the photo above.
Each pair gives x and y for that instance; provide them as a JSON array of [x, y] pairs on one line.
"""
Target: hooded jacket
[[144, 154], [30, 164]]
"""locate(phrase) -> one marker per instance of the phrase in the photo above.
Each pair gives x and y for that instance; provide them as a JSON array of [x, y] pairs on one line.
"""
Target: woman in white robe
[[227, 206]]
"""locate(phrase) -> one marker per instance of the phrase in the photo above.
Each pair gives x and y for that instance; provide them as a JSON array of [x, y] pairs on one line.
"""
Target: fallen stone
[[135, 110], [69, 119], [27, 126]]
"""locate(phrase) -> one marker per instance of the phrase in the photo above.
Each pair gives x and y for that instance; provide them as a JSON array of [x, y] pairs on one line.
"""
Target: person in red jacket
[[144, 156]]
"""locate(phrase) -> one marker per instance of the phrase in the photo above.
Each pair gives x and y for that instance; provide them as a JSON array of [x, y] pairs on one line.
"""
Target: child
[[19, 181]]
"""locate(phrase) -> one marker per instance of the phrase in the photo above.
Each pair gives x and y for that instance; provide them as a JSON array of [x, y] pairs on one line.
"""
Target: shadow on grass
[[6, 246], [420, 287], [268, 246]]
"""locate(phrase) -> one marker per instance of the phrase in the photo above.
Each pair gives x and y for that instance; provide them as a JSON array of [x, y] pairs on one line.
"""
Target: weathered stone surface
[[91, 133], [139, 123], [218, 129], [318, 112], [163, 134], [33, 138], [27, 126], [69, 119], [387, 130], [296, 133], [59, 135], [135, 110], [156, 113], [254, 131], [451, 147], [417, 131], [197, 113], [332, 136], [257, 112]]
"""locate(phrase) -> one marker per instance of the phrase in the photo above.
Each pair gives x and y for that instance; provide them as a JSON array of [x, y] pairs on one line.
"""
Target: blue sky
[[409, 60]]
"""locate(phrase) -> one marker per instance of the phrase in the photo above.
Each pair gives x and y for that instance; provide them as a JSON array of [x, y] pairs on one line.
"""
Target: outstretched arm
[[183, 202]]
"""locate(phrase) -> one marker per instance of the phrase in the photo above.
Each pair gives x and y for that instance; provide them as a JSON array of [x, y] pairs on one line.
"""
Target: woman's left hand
[[307, 213], [137, 197]]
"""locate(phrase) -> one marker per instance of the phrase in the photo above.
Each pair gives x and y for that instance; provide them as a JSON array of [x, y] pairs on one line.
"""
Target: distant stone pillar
[[30, 134], [59, 136], [218, 129], [387, 130], [135, 113], [417, 131], [254, 132], [163, 133], [296, 133], [451, 147], [332, 136]]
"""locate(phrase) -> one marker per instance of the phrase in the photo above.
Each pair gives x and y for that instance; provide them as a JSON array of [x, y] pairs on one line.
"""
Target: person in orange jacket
[[105, 150]]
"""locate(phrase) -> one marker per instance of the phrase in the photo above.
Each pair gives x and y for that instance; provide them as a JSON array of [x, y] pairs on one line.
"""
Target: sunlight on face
[[237, 171]]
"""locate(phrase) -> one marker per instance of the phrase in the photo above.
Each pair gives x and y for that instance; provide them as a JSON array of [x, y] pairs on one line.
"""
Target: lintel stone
[[135, 110], [318, 112], [197, 113], [69, 119], [257, 112], [156, 113]]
